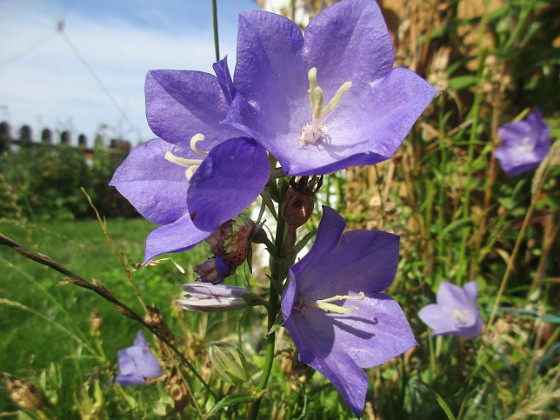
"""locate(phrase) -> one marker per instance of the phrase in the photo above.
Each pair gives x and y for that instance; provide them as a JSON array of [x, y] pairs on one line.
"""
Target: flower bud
[[208, 297], [228, 362]]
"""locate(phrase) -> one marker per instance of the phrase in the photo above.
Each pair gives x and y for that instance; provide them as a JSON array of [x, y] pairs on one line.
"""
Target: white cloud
[[51, 85]]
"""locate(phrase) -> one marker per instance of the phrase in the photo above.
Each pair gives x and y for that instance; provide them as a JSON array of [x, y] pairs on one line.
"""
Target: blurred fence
[[25, 139], [42, 178]]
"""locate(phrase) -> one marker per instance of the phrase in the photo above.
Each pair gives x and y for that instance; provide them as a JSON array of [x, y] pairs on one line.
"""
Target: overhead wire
[[60, 31], [96, 78]]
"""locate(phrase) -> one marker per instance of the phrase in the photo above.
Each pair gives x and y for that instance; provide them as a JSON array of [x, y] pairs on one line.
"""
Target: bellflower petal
[[153, 185], [137, 363], [286, 82], [349, 255], [224, 79], [181, 235], [455, 312], [180, 104], [186, 110], [524, 144], [335, 310], [230, 178]]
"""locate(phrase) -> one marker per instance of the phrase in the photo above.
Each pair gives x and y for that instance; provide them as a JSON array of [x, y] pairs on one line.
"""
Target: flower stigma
[[314, 132], [526, 147], [463, 317], [191, 164]]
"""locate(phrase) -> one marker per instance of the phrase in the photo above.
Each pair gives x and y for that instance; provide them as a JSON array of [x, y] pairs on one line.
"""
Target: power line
[[27, 51], [75, 50]]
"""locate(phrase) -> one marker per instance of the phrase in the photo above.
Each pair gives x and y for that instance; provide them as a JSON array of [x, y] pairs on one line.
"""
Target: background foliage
[[459, 216]]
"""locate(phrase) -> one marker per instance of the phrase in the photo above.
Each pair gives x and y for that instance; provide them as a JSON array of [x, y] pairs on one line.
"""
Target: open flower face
[[335, 309], [200, 173], [455, 312], [327, 99], [137, 363], [524, 145]]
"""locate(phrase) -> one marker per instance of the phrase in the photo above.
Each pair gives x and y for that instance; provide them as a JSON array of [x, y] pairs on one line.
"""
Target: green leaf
[[463, 82], [440, 401], [299, 246], [233, 399]]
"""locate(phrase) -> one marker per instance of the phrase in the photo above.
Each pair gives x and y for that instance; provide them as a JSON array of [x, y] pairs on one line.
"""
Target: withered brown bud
[[299, 201], [213, 270], [230, 243]]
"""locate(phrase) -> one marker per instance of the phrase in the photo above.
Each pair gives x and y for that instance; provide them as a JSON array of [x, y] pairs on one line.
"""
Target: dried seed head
[[25, 394], [299, 201], [293, 369]]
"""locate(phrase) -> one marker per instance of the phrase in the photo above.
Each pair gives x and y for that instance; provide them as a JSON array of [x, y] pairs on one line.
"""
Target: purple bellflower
[[208, 297], [200, 172], [137, 363], [524, 144], [327, 99], [455, 312], [335, 309]]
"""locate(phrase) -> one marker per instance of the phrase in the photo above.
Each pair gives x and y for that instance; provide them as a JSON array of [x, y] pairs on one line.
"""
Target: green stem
[[277, 265], [215, 27]]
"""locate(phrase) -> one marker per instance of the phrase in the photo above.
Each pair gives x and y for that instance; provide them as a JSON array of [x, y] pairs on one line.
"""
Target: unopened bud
[[228, 362], [208, 297]]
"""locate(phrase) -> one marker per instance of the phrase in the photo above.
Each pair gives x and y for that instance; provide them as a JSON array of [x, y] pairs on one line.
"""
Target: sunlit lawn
[[42, 322]]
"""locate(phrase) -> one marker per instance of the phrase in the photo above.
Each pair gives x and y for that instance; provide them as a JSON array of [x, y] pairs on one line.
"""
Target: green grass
[[55, 328]]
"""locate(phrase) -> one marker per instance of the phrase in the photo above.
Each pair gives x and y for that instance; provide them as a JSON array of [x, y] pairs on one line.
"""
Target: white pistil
[[327, 306], [526, 146], [181, 161], [314, 132], [197, 138], [462, 317], [191, 164]]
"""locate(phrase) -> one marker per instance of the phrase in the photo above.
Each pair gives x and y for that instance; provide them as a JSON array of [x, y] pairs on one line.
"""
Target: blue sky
[[44, 83]]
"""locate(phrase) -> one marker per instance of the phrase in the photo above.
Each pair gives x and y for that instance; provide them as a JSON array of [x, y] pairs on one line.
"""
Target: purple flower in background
[[335, 309], [524, 144], [208, 297], [455, 312], [200, 173], [137, 363], [330, 98]]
